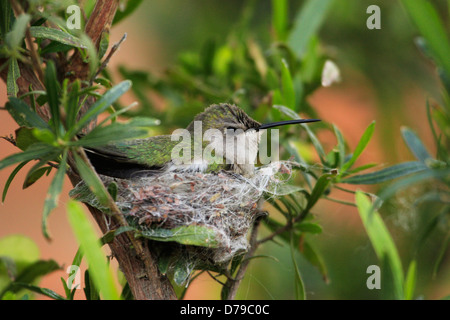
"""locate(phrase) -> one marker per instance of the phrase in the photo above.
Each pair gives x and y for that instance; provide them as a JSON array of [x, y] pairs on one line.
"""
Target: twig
[[233, 284], [10, 139], [113, 50]]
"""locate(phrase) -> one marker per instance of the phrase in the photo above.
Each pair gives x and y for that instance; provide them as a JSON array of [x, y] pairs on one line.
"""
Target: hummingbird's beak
[[283, 123]]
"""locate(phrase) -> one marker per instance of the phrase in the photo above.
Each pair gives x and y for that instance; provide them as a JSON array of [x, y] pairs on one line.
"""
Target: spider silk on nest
[[202, 218]]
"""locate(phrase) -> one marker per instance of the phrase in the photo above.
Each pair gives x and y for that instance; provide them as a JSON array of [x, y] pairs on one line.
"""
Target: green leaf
[[92, 180], [280, 18], [311, 254], [442, 251], [56, 35], [44, 291], [382, 242], [31, 273], [319, 189], [101, 105], [307, 23], [25, 138], [52, 86], [23, 114], [6, 18], [309, 227], [36, 270], [72, 104], [340, 145], [189, 235], [90, 289], [131, 6], [35, 175], [89, 54], [390, 173], [429, 24], [300, 293], [10, 266], [408, 181], [101, 136], [36, 151], [410, 281], [103, 45], [287, 87], [360, 168], [10, 179], [13, 74], [15, 37], [367, 135], [51, 200], [112, 190], [415, 144], [98, 267], [315, 141]]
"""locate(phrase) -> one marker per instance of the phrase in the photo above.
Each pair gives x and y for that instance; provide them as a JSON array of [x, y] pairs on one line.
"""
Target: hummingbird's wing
[[131, 158]]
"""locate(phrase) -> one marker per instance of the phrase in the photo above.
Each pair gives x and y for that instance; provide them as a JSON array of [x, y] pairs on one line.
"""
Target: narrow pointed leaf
[[307, 23], [92, 180], [52, 86], [23, 114], [415, 144], [35, 152], [102, 104], [280, 18], [44, 291], [6, 18], [11, 178], [340, 144], [300, 293], [390, 173], [101, 136], [410, 281], [15, 37], [13, 74], [56, 35], [72, 105], [131, 6], [98, 267], [367, 135], [51, 200], [319, 189], [30, 274], [314, 140], [382, 242], [314, 257], [287, 85], [429, 24]]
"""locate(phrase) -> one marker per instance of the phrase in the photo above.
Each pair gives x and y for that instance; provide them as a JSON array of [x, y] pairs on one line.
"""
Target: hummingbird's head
[[225, 117], [233, 135]]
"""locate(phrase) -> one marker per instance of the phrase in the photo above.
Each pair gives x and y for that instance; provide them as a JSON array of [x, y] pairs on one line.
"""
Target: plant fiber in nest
[[209, 214]]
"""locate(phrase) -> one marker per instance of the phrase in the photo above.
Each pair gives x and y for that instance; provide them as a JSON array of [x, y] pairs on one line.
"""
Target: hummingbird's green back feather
[[128, 157]]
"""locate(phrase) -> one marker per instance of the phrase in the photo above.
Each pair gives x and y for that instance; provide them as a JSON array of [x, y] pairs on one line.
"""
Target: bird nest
[[208, 213]]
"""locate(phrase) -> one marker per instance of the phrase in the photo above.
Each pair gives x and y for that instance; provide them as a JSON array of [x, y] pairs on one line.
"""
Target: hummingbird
[[153, 155]]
